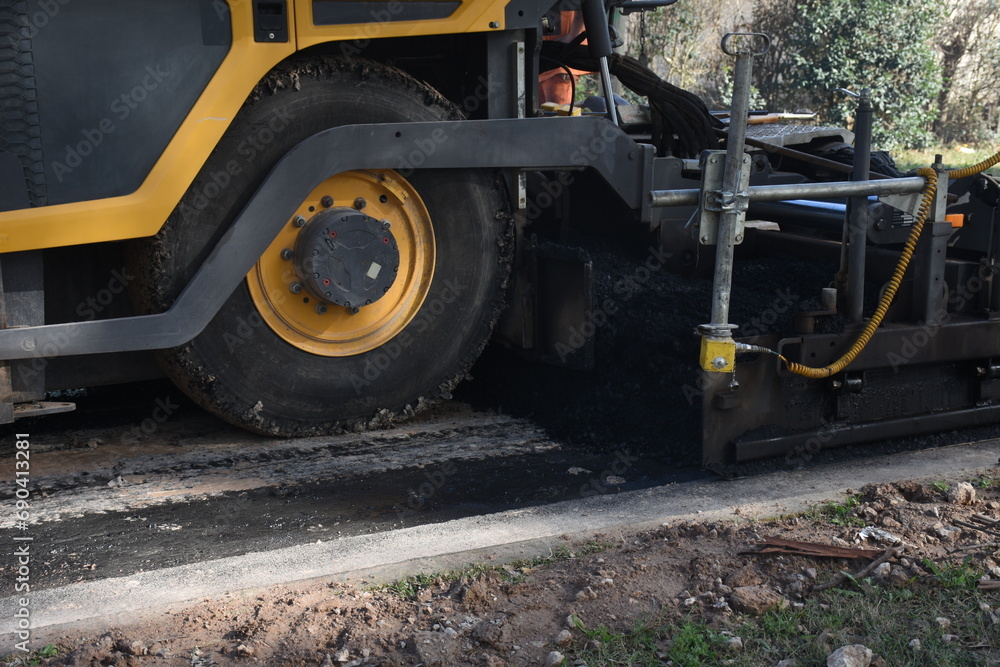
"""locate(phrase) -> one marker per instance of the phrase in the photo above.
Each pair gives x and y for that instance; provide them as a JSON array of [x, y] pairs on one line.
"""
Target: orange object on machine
[[556, 85]]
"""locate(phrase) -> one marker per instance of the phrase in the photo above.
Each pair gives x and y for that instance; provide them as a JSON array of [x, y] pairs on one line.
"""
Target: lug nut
[[286, 254], [320, 308], [386, 224], [295, 288], [360, 203], [326, 201], [299, 221], [353, 310]]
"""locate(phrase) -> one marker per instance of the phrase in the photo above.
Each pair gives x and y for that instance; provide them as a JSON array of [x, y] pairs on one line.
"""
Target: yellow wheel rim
[[339, 332]]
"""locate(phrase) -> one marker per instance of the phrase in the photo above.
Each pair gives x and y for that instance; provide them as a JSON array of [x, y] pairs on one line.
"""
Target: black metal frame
[[532, 143]]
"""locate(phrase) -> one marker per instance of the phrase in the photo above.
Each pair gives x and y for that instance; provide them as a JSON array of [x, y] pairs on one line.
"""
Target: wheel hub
[[347, 258], [351, 268]]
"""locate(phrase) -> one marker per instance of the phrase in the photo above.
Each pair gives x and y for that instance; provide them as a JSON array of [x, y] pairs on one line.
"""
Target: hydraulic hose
[[926, 203]]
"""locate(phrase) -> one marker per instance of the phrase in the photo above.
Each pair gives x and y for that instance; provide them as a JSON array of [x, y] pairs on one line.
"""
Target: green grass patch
[[954, 157], [515, 571], [960, 576], [883, 618], [652, 643], [842, 514], [34, 658]]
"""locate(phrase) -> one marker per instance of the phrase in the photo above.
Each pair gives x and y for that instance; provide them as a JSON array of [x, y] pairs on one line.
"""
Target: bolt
[[386, 224], [299, 221], [704, 239], [739, 238], [320, 308], [494, 24], [28, 344], [286, 254], [836, 385], [353, 310], [360, 203], [326, 201], [295, 288], [980, 371], [719, 362]]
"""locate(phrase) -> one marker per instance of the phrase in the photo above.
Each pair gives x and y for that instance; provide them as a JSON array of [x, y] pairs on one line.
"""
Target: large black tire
[[238, 368]]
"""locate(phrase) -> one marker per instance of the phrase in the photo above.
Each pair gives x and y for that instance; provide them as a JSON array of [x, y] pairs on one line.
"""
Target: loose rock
[[854, 655], [564, 638], [755, 599], [554, 658], [962, 493]]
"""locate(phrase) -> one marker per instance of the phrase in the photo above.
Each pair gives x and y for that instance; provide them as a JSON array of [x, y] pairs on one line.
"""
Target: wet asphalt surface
[[105, 509], [114, 493]]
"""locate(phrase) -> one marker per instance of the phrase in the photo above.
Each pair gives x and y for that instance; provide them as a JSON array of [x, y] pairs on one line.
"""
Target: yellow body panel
[[470, 16], [144, 211]]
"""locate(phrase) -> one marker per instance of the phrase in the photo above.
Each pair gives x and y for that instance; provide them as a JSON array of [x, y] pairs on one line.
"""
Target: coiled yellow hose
[[926, 203]]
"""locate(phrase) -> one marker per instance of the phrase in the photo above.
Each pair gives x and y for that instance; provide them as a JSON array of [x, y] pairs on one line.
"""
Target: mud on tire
[[238, 368]]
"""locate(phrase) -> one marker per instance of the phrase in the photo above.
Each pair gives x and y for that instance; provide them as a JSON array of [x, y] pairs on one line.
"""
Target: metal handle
[[755, 36]]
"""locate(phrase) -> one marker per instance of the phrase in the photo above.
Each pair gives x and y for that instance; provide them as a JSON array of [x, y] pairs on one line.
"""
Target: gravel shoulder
[[583, 596]]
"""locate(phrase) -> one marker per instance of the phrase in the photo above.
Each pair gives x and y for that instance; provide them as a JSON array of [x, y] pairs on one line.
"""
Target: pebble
[[450, 633], [586, 594], [943, 622], [564, 638], [554, 658], [811, 573], [572, 620], [343, 655], [755, 599], [883, 570], [786, 663], [914, 645], [735, 644], [934, 512], [853, 655], [947, 639], [962, 493]]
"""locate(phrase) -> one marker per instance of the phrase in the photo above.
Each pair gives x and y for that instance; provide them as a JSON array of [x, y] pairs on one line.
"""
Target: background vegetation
[[934, 68]]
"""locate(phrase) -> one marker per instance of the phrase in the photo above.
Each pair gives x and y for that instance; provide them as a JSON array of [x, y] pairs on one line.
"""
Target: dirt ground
[[497, 614]]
